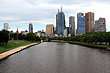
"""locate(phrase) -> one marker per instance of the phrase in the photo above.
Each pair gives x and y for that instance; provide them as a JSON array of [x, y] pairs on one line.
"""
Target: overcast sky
[[19, 13]]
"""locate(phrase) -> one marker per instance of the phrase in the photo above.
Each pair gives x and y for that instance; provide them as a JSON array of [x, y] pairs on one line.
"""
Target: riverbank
[[61, 41], [15, 50], [92, 45], [13, 44], [106, 47]]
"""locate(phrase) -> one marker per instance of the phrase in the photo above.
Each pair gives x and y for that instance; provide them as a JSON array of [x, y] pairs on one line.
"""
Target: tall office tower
[[100, 25], [60, 22], [89, 22], [30, 28], [81, 23], [49, 29], [6, 26], [72, 25]]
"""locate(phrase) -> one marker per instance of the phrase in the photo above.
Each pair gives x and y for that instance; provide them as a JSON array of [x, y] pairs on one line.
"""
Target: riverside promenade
[[15, 50]]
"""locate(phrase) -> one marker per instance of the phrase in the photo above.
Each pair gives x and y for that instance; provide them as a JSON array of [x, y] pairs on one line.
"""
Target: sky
[[19, 13]]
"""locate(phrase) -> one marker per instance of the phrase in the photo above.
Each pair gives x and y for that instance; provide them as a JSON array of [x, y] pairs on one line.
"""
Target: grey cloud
[[64, 2], [35, 10]]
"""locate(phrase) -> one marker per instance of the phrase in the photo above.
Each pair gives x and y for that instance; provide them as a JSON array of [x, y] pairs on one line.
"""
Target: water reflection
[[51, 57]]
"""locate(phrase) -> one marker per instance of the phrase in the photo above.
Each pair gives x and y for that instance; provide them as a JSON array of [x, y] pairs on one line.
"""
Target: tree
[[31, 36], [4, 36], [37, 38], [49, 39]]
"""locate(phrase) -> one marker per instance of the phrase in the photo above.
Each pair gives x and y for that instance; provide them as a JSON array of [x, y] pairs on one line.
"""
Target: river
[[53, 57]]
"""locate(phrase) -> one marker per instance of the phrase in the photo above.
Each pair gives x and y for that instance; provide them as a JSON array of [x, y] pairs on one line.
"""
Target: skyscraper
[[81, 23], [100, 25], [60, 22], [30, 28], [6, 26], [89, 22], [49, 29], [72, 25]]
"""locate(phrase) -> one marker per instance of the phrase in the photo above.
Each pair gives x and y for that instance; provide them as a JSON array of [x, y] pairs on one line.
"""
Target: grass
[[92, 45], [29, 42], [13, 44]]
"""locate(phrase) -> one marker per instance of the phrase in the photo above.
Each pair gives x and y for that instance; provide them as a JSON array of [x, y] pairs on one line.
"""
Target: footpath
[[15, 50]]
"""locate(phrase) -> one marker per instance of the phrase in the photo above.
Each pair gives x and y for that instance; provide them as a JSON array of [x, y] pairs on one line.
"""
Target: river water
[[52, 57]]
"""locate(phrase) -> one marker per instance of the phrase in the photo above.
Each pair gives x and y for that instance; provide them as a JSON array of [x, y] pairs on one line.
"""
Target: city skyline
[[20, 13]]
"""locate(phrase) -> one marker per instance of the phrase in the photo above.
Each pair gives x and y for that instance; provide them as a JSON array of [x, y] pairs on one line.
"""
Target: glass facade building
[[60, 22], [72, 25], [81, 23], [30, 28]]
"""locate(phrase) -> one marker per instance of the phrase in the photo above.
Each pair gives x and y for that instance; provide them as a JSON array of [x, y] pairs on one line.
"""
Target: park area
[[13, 44]]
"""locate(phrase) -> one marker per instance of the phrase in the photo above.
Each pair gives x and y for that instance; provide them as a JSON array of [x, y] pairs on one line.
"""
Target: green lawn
[[29, 42], [92, 45], [101, 46], [13, 44]]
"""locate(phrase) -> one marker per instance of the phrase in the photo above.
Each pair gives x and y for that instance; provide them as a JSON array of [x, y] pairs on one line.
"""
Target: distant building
[[11, 31], [6, 26], [65, 32], [60, 22], [72, 25], [42, 30], [17, 31], [81, 23], [89, 22], [30, 28], [56, 35], [26, 31], [22, 31], [68, 30], [55, 32], [100, 25], [43, 33], [49, 29], [51, 35], [38, 33]]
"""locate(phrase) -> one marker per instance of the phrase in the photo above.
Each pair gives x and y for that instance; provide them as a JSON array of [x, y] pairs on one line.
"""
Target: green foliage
[[4, 36], [90, 38], [29, 42], [49, 39], [37, 38], [28, 37]]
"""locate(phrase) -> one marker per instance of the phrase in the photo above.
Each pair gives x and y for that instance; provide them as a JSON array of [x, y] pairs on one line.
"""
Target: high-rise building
[[81, 23], [6, 26], [30, 28], [100, 25], [72, 25], [68, 28], [60, 22], [49, 29], [65, 32], [89, 22]]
